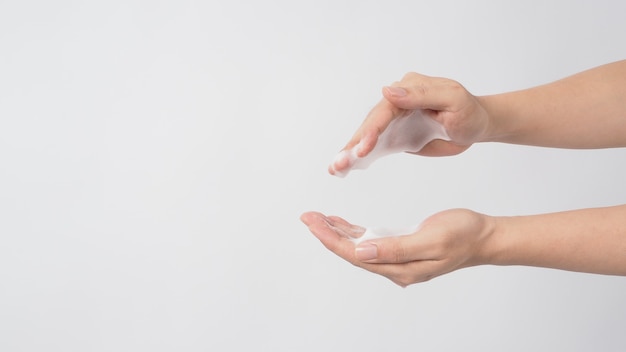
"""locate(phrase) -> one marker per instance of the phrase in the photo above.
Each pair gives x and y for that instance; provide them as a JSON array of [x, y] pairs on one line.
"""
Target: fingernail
[[366, 251], [396, 91]]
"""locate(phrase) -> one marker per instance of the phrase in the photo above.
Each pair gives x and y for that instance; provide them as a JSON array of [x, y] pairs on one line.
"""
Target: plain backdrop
[[155, 157]]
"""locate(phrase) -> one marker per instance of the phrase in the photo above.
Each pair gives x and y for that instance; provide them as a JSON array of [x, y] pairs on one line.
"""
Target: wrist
[[491, 245], [505, 246], [495, 111]]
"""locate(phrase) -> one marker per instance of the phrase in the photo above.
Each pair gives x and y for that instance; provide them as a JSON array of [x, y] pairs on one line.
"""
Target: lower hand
[[447, 241]]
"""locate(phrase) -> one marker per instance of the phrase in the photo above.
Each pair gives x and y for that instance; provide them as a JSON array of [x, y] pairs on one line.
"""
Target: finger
[[417, 91], [349, 230], [365, 138], [322, 228], [374, 124], [397, 249], [343, 161], [402, 274], [310, 217]]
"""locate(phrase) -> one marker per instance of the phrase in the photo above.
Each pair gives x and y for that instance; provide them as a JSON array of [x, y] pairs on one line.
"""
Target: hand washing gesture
[[420, 114], [436, 117]]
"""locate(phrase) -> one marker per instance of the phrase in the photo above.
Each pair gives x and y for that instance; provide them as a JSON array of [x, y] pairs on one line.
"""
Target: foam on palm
[[374, 233], [408, 133], [358, 234]]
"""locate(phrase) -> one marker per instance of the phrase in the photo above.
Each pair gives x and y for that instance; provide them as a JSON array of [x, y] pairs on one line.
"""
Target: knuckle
[[453, 84], [399, 253], [409, 76], [454, 87], [405, 280], [421, 89], [400, 280]]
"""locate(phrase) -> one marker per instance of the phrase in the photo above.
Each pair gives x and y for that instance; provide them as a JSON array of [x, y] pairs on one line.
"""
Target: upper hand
[[443, 100]]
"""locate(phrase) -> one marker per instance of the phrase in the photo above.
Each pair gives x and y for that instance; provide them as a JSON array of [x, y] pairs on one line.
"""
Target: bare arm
[[586, 110], [589, 240]]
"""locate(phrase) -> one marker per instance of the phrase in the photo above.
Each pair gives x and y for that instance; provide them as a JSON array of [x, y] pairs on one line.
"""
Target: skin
[[586, 110]]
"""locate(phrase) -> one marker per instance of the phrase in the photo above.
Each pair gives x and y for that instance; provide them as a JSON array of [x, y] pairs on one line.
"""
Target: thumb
[[394, 250], [416, 91]]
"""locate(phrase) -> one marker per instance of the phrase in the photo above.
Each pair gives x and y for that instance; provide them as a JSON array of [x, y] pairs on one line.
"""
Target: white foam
[[404, 134], [358, 234], [374, 233]]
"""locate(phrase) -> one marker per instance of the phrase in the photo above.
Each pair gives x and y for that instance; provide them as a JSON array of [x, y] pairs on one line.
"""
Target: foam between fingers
[[404, 134]]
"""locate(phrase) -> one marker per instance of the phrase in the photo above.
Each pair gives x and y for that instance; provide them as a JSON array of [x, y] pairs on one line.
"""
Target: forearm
[[586, 110], [589, 240]]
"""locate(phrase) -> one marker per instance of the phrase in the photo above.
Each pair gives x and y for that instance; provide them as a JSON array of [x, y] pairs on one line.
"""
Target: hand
[[444, 242], [445, 101]]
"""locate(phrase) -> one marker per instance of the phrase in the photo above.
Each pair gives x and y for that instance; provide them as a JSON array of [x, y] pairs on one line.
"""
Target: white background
[[155, 157]]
